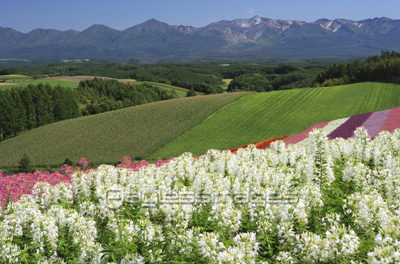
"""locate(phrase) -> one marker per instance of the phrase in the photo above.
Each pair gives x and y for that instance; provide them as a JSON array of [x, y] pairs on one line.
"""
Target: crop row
[[386, 120]]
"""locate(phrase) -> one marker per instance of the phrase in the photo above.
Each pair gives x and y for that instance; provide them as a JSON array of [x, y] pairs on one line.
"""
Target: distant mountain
[[255, 37]]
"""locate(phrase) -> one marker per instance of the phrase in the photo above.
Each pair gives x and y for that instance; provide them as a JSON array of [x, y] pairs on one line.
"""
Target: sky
[[26, 15]]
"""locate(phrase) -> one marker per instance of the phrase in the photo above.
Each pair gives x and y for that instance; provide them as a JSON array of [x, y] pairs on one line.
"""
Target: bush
[[190, 93], [69, 162], [24, 164]]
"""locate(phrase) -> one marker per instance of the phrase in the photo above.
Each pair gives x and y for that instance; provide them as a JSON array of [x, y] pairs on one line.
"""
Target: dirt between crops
[[83, 77], [4, 84]]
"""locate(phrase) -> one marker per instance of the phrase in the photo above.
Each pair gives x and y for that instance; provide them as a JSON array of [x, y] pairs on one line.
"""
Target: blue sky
[[26, 15]]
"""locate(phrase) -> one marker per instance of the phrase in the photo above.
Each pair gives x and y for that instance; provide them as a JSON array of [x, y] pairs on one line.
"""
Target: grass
[[261, 116], [69, 84], [15, 77], [106, 138], [181, 92], [226, 83]]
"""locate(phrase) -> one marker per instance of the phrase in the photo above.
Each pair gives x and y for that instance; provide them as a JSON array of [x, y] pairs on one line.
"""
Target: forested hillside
[[384, 68]]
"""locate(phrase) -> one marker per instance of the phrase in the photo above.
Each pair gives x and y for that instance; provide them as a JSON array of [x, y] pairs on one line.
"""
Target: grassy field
[[269, 115], [181, 92], [15, 77], [105, 138], [22, 83], [226, 83]]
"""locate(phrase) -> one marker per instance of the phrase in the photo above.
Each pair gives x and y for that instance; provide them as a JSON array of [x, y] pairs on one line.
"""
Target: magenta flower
[[83, 162], [126, 161]]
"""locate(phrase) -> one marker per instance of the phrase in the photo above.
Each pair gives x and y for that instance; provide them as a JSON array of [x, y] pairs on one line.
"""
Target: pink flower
[[126, 161], [83, 162]]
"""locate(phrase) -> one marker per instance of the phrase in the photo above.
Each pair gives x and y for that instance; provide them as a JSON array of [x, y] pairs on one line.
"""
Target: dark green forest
[[383, 68], [99, 95], [33, 106], [281, 77]]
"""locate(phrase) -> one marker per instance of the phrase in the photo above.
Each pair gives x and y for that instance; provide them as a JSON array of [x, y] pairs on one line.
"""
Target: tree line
[[33, 106], [201, 77], [99, 95], [276, 78], [383, 68], [37, 105]]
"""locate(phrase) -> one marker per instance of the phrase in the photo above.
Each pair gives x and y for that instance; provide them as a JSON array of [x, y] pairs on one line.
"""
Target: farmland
[[14, 77], [106, 138], [261, 116], [23, 80]]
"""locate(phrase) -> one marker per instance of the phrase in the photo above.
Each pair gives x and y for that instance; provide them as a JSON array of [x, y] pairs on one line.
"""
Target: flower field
[[386, 120], [328, 201]]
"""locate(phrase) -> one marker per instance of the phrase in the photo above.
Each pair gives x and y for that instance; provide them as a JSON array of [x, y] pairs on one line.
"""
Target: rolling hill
[[196, 124], [105, 138], [261, 116], [255, 37]]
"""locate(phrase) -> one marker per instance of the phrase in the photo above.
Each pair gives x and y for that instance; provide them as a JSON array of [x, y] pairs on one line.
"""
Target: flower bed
[[259, 145], [329, 201], [386, 120]]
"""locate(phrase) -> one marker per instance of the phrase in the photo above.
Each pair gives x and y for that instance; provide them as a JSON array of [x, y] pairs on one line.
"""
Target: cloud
[[250, 12]]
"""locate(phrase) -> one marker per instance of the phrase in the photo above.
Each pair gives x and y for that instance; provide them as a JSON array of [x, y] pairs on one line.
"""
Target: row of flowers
[[259, 145], [386, 120], [14, 186], [328, 201]]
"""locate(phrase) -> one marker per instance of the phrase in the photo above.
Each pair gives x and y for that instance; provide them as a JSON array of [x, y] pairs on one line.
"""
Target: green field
[[69, 84], [105, 138], [15, 77], [226, 83], [181, 92], [274, 114]]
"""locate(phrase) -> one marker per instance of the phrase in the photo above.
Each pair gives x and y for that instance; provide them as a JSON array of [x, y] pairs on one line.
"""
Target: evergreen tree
[[3, 115], [7, 113], [30, 111], [24, 164], [43, 105], [19, 113], [60, 104]]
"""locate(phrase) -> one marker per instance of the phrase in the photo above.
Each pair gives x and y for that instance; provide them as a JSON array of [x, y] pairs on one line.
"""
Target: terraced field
[[105, 138], [269, 115]]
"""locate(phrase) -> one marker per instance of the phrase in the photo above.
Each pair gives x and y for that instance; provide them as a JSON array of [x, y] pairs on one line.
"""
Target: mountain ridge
[[256, 36]]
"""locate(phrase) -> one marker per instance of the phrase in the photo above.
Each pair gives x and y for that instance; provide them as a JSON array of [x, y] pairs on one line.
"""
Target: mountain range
[[255, 37]]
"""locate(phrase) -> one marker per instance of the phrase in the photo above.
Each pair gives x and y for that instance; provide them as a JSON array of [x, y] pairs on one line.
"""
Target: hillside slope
[[106, 138], [274, 114]]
